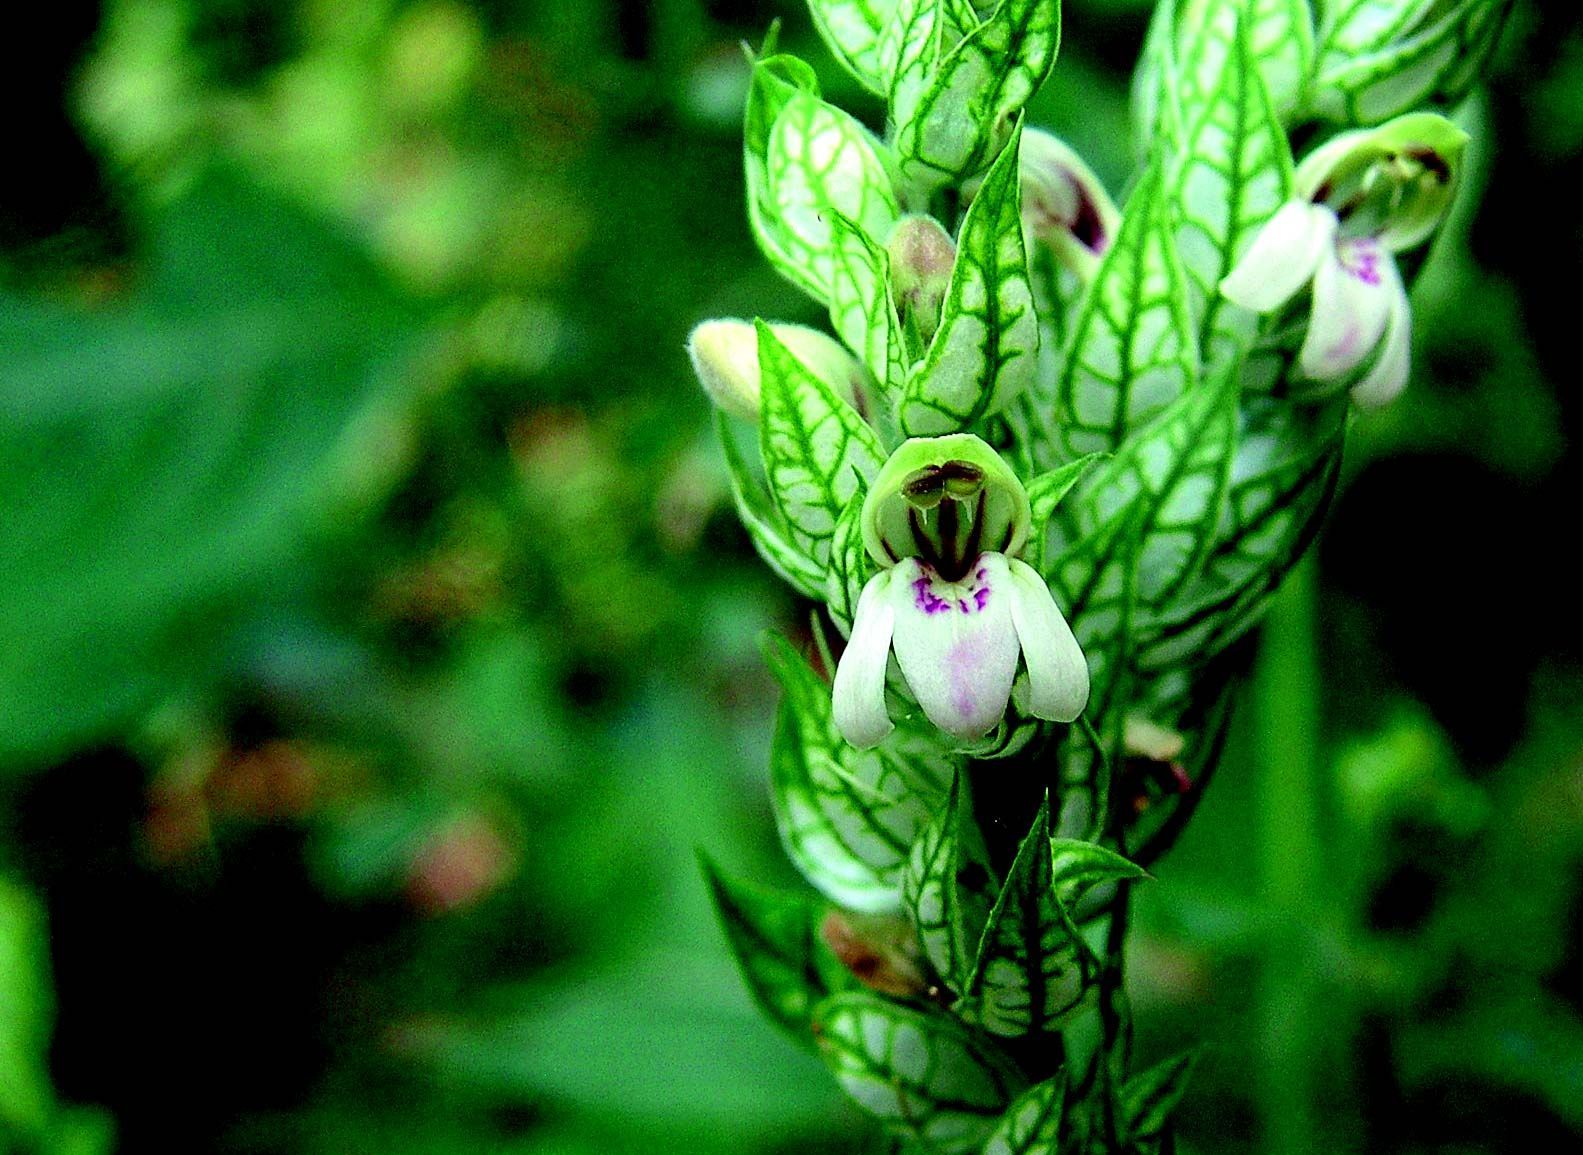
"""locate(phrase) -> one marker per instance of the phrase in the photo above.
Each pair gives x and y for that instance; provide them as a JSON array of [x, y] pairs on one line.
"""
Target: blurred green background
[[377, 646]]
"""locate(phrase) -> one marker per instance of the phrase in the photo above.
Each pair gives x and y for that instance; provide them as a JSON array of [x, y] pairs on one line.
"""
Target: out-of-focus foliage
[[377, 644]]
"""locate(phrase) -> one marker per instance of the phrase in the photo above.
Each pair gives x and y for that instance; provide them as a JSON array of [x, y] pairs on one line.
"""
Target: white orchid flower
[[945, 520], [1361, 198]]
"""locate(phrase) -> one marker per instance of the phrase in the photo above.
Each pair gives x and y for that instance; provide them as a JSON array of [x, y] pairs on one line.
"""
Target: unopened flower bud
[[1063, 204], [725, 355], [922, 256], [881, 951]]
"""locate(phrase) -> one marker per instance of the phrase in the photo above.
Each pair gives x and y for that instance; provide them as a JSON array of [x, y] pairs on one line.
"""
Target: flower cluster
[[1362, 198]]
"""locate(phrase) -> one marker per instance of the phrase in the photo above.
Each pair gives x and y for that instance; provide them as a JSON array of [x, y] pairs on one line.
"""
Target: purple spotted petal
[[956, 643], [1353, 290]]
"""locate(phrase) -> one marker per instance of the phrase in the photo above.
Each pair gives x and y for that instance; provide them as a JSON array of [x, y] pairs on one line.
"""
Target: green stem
[[1287, 702]]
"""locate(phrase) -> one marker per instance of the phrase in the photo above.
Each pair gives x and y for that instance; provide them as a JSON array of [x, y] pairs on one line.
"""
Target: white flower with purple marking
[[1361, 198], [945, 521]]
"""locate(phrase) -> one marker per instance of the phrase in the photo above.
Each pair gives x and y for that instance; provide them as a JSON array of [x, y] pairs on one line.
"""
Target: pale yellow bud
[[725, 355]]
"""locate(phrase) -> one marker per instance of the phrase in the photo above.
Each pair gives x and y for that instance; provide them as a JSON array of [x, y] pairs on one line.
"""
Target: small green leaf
[[1032, 968], [1147, 1099], [852, 30], [949, 126], [1380, 58], [1046, 491], [1157, 117], [1143, 529], [1280, 32], [848, 817], [1078, 865], [805, 160], [1133, 350], [1235, 172], [817, 450], [849, 564], [775, 938], [1031, 414], [949, 889], [921, 1073], [1032, 1124], [1283, 474], [986, 349], [862, 305], [1281, 36], [766, 528]]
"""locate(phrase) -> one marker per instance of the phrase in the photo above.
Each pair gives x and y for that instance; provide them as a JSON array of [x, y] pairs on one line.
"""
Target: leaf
[[1283, 474], [817, 450], [1046, 491], [949, 128], [162, 463], [1133, 350], [1379, 58], [1157, 117], [1032, 1124], [1146, 1100], [852, 30], [1030, 415], [1281, 39], [804, 161], [948, 889], [849, 564], [862, 306], [848, 817], [765, 526], [1143, 529], [1234, 173], [920, 1073], [1032, 968], [986, 349], [774, 936], [1077, 865]]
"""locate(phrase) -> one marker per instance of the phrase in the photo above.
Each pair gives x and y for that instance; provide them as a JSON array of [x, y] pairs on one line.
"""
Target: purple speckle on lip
[[1362, 260], [928, 601], [964, 601]]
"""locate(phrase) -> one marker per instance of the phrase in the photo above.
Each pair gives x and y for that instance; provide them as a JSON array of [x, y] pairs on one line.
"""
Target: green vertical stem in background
[[1290, 855]]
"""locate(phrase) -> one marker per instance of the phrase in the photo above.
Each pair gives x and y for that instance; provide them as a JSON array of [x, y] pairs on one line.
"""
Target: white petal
[[1282, 257], [1057, 670], [858, 697], [1387, 377], [956, 644], [1352, 302]]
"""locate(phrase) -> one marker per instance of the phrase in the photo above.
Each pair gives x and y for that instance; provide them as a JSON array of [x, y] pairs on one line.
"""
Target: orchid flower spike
[[1360, 199], [945, 520]]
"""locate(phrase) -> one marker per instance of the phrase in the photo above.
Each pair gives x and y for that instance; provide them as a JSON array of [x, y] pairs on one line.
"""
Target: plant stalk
[[1290, 855]]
